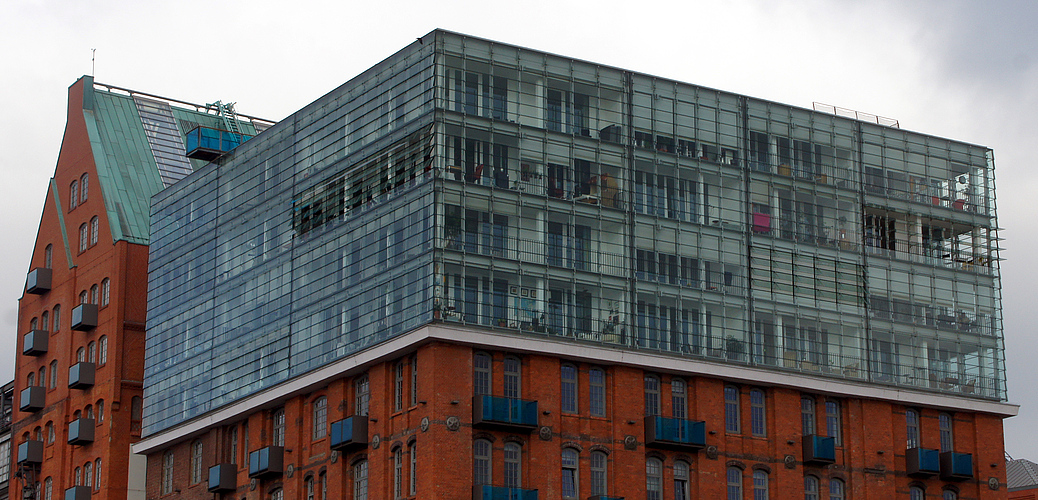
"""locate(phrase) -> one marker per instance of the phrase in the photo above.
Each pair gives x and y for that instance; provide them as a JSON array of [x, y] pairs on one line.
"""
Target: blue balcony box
[[32, 399], [30, 453], [956, 466], [81, 375], [34, 343], [38, 281], [269, 461], [84, 317], [208, 144], [504, 413], [81, 431], [922, 462], [604, 497], [677, 433], [488, 492], [349, 434], [819, 450], [78, 493], [223, 478]]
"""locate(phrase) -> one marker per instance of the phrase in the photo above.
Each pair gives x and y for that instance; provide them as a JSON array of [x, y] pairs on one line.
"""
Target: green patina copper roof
[[127, 170]]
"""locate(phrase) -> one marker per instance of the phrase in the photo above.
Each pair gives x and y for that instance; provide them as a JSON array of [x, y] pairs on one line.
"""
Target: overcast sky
[[958, 69]]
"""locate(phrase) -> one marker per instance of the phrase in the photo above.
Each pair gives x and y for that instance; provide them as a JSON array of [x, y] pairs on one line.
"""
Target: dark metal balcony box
[[922, 462], [488, 492], [30, 452], [34, 343], [350, 433], [504, 413], [38, 281], [956, 466], [223, 478], [81, 431], [819, 450], [269, 461], [78, 493], [32, 399], [81, 375], [676, 433], [84, 317]]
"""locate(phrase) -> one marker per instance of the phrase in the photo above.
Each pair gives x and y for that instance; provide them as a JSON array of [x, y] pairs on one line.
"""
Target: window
[[653, 479], [360, 480], [916, 493], [279, 427], [596, 392], [89, 412], [100, 410], [234, 445], [758, 419], [807, 416], [84, 236], [513, 466], [481, 471], [731, 409], [97, 474], [309, 488], [835, 489], [88, 474], [43, 376], [681, 485], [760, 485], [196, 461], [570, 483], [106, 289], [91, 351], [30, 379], [734, 483], [810, 488], [48, 488], [57, 318], [93, 294], [513, 378], [947, 495], [398, 386], [54, 374], [167, 472], [912, 428], [481, 374], [245, 442], [73, 195], [320, 418], [48, 256], [278, 494], [361, 395], [678, 398], [398, 471], [599, 476], [413, 451], [652, 395], [45, 321], [324, 486], [34, 324], [947, 439], [833, 421], [94, 228], [414, 381], [569, 389], [83, 185], [83, 297], [50, 432], [103, 355]]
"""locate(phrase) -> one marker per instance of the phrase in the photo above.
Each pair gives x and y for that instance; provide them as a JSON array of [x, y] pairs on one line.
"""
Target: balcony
[[674, 433], [604, 497], [956, 466], [350, 434], [223, 478], [487, 492], [78, 493], [504, 414], [81, 431], [34, 343], [30, 453], [32, 399], [819, 450], [38, 281], [81, 375], [922, 462], [208, 144], [269, 461], [84, 317]]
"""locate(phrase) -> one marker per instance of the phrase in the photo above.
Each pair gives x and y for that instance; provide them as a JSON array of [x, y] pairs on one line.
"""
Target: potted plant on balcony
[[734, 348]]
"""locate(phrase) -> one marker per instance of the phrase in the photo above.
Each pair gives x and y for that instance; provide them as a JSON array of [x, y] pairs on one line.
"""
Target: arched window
[[48, 488], [652, 395], [310, 488], [570, 478], [43, 376], [78, 479], [398, 472], [320, 418], [30, 379], [916, 493], [947, 438], [360, 480], [76, 415], [196, 461], [91, 351], [513, 466], [361, 395], [482, 471], [89, 411], [54, 374], [50, 432], [88, 473], [38, 434], [73, 195], [947, 495], [758, 413], [569, 388], [481, 374], [413, 452], [760, 485], [48, 256], [324, 486], [100, 410], [596, 392], [97, 474], [45, 321], [93, 294], [653, 479], [57, 317], [84, 237], [599, 473], [167, 472], [34, 324], [102, 350], [84, 184], [833, 421], [106, 291], [513, 378], [681, 480], [810, 488], [95, 227], [731, 409], [678, 398], [835, 489], [278, 494], [279, 427], [734, 483], [83, 297], [398, 386], [807, 416]]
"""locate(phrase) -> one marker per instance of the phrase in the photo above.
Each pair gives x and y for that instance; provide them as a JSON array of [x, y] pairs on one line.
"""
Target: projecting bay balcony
[[32, 399], [922, 462], [30, 453], [81, 375], [38, 281], [504, 413], [223, 478], [84, 317], [488, 492], [208, 144], [78, 493], [819, 450], [81, 431], [349, 434], [674, 433], [956, 466], [34, 343], [269, 461]]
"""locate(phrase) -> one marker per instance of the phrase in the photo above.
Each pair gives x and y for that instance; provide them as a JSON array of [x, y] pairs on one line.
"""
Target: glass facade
[[471, 182]]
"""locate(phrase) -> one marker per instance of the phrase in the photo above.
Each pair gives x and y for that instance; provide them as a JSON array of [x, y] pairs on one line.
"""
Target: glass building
[[472, 182]]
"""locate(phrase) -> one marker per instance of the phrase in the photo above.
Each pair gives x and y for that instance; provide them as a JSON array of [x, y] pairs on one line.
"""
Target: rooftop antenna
[[92, 52]]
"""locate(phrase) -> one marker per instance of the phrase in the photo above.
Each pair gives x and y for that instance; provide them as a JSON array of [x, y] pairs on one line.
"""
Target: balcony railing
[[567, 252], [819, 450], [962, 260], [488, 492], [956, 466], [663, 432], [504, 413], [350, 433], [208, 144], [38, 281], [922, 462]]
